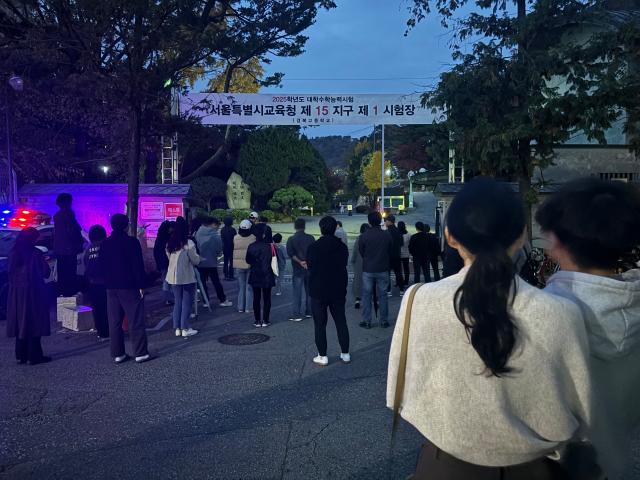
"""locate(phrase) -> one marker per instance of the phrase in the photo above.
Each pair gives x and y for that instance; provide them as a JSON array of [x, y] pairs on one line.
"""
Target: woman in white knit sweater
[[496, 373]]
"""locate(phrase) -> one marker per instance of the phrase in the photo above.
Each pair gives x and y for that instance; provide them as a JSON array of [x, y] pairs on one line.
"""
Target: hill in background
[[334, 149]]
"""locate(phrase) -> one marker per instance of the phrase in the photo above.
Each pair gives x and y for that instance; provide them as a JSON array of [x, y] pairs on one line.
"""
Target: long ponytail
[[482, 306], [486, 219]]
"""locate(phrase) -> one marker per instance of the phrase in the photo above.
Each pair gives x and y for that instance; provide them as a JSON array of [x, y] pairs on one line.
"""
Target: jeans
[[405, 270], [167, 293], [381, 281], [184, 295], [245, 293], [320, 318], [227, 266], [300, 285], [396, 267], [265, 294], [207, 273]]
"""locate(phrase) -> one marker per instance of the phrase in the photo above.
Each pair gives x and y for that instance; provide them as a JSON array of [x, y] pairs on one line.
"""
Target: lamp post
[[16, 83], [410, 176]]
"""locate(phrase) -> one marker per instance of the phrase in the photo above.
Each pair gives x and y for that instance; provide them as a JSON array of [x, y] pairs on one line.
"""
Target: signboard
[[151, 210], [238, 193], [305, 109], [173, 210]]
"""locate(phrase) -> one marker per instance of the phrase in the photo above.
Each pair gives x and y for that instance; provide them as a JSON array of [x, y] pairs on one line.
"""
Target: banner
[[305, 109]]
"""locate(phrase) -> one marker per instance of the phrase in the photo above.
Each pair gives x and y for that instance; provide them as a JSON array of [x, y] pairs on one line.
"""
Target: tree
[[136, 45], [501, 105], [290, 198], [205, 188], [262, 29], [276, 156], [373, 172], [265, 159]]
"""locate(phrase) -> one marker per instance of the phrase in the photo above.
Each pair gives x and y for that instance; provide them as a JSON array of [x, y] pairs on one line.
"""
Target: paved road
[[202, 409]]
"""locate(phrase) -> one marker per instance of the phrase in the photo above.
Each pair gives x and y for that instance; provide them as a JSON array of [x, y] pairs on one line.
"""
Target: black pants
[[423, 264], [434, 464], [396, 267], [212, 273], [320, 318], [98, 297], [405, 270], [132, 302], [67, 266], [227, 267], [28, 349], [258, 294]]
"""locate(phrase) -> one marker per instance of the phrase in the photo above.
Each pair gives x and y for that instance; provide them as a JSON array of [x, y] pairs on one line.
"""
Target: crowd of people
[[503, 379]]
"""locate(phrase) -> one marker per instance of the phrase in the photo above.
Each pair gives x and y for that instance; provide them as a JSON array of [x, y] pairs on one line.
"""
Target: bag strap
[[402, 364]]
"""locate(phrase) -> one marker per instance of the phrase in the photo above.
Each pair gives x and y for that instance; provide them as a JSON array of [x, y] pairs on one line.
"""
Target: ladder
[[169, 167]]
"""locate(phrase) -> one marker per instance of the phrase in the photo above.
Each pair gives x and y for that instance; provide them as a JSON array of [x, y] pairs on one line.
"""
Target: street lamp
[[17, 85], [105, 169], [410, 176]]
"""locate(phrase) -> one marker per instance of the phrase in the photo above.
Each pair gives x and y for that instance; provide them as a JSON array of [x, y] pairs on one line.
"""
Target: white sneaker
[[345, 357], [322, 361], [121, 358], [226, 304], [193, 315], [307, 316], [189, 332], [178, 332], [296, 319], [143, 358]]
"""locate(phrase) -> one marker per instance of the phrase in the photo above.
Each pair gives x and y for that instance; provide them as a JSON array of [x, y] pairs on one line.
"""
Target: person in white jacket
[[497, 370], [589, 225], [183, 258]]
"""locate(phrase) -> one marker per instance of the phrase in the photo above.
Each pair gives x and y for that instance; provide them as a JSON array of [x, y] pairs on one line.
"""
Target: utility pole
[[382, 176]]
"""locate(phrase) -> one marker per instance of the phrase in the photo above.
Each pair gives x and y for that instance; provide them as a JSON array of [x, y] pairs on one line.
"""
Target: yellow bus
[[394, 204]]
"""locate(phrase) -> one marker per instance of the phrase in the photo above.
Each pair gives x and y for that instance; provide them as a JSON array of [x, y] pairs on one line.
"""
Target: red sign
[[173, 211]]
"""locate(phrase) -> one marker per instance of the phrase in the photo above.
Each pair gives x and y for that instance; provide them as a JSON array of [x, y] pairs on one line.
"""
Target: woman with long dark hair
[[261, 276], [183, 258], [27, 304], [496, 373], [404, 251]]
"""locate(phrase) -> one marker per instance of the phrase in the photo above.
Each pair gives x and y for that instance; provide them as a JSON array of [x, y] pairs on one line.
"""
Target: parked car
[[8, 238]]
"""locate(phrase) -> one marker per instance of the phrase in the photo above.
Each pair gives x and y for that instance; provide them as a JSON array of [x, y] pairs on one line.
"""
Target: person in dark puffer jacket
[[261, 276]]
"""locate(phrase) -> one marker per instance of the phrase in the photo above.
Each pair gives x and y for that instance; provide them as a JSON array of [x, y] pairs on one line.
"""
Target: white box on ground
[[76, 318]]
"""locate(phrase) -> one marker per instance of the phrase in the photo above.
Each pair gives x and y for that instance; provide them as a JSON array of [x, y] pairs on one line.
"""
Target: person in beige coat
[[241, 243], [181, 275]]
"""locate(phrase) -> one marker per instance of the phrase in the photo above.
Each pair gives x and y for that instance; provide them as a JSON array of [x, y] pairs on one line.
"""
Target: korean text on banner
[[264, 109], [173, 210]]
